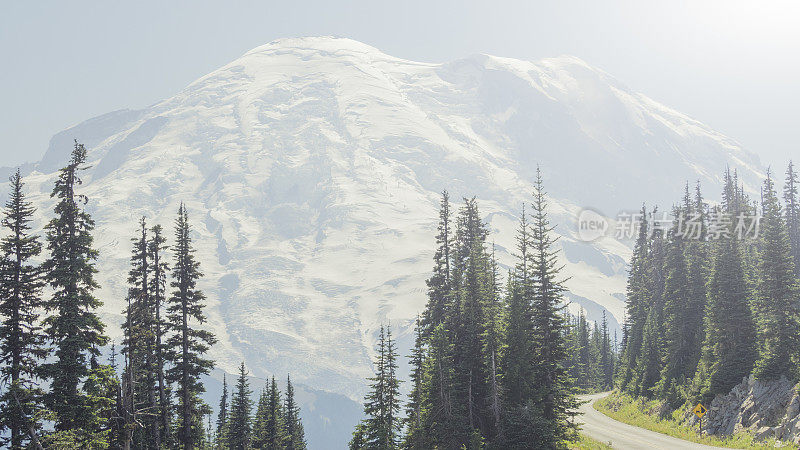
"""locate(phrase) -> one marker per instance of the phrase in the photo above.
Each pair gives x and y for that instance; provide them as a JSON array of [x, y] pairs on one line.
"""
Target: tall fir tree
[[697, 262], [293, 425], [439, 283], [637, 305], [187, 343], [606, 356], [22, 345], [269, 432], [382, 426], [139, 378], [554, 389], [678, 363], [239, 429], [778, 301], [73, 326], [156, 247], [438, 407], [472, 284], [518, 359], [492, 348], [260, 419], [222, 415], [415, 437]]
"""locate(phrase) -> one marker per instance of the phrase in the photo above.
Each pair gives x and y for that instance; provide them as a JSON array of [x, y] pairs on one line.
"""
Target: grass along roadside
[[642, 414], [586, 443]]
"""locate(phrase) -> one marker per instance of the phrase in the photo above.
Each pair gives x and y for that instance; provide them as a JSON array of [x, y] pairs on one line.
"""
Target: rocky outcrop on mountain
[[766, 409]]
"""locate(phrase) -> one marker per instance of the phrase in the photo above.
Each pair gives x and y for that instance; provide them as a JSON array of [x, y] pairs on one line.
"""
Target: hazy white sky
[[731, 64]]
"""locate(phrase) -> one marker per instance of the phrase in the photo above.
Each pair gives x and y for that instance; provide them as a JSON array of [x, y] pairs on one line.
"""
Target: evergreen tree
[[187, 344], [139, 380], [260, 420], [22, 346], [239, 427], [438, 391], [649, 363], [295, 436], [637, 306], [492, 347], [222, 417], [158, 287], [583, 358], [678, 363], [381, 428], [357, 441], [415, 432], [606, 357], [791, 198], [73, 327], [697, 261], [518, 359], [554, 388], [472, 291], [270, 431], [439, 283], [778, 301]]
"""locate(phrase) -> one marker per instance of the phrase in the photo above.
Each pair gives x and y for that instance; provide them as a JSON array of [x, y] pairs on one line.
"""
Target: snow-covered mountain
[[312, 169]]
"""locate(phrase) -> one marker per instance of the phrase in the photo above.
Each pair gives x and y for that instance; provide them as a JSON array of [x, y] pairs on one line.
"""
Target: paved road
[[602, 428]]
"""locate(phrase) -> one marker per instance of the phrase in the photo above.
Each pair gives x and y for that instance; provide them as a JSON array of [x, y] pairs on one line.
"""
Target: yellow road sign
[[700, 410]]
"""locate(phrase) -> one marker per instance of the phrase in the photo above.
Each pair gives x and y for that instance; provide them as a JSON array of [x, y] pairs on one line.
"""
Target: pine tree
[[239, 427], [697, 262], [492, 343], [295, 435], [73, 327], [678, 363], [22, 346], [260, 420], [472, 294], [222, 417], [158, 288], [606, 356], [139, 378], [415, 437], [381, 428], [554, 391], [274, 431], [439, 283], [637, 305], [648, 365], [778, 300], [438, 391], [187, 344], [518, 358], [791, 198], [269, 432]]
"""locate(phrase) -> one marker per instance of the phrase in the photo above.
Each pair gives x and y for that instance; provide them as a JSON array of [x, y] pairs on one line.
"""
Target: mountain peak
[[329, 44]]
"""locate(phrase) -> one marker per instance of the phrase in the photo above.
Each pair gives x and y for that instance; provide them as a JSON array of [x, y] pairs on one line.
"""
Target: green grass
[[586, 443], [641, 413]]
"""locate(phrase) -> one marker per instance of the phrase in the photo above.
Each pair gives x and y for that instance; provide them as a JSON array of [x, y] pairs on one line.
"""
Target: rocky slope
[[768, 409]]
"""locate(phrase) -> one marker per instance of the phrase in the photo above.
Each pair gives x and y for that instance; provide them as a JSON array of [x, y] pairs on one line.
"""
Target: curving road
[[602, 428]]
